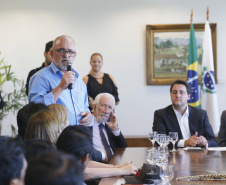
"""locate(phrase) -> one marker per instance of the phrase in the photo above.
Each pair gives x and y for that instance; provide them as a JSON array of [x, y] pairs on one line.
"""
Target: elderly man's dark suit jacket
[[115, 142], [165, 121], [222, 132]]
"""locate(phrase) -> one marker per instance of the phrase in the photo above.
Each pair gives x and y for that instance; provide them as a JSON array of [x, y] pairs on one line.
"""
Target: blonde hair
[[44, 125], [61, 113]]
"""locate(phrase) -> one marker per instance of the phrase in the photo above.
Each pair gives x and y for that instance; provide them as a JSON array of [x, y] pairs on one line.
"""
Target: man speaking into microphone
[[60, 83]]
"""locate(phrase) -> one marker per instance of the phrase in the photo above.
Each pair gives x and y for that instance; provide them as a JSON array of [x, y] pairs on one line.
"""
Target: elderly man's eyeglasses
[[63, 52]]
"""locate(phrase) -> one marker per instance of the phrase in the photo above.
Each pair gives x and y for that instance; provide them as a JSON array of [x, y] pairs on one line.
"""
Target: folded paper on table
[[192, 148], [217, 149]]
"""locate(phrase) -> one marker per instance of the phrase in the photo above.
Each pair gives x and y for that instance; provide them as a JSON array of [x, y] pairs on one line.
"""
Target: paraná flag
[[208, 86]]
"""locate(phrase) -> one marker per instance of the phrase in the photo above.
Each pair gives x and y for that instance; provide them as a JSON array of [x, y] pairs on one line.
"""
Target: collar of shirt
[[178, 114], [55, 69], [96, 122]]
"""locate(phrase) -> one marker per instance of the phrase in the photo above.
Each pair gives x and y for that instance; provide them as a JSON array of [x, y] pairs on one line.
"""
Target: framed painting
[[167, 50]]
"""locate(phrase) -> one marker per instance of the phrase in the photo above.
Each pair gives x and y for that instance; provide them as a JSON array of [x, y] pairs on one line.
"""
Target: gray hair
[[62, 36], [98, 97]]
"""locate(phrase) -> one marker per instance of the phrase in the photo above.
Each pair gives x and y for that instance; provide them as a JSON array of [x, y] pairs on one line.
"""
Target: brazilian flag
[[192, 76]]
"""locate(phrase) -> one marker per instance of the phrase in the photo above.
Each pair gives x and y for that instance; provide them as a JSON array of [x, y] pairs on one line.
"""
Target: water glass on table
[[152, 136], [166, 173], [151, 156], [164, 140], [162, 156], [159, 141], [173, 138]]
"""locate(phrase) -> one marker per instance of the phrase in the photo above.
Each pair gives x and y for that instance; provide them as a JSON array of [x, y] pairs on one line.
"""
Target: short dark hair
[[36, 147], [182, 82], [11, 159], [48, 46], [54, 169], [76, 140], [24, 115]]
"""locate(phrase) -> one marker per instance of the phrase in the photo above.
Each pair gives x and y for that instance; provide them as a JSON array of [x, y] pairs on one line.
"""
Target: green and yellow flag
[[192, 76]]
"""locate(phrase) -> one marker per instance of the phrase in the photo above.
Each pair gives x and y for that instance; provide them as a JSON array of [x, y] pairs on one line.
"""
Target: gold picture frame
[[165, 65]]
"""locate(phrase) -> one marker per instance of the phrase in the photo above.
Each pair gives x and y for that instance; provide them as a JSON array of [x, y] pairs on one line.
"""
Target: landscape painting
[[168, 51], [171, 51]]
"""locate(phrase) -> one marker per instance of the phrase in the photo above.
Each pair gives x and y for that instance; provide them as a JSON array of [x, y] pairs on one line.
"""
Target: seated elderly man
[[192, 124], [106, 134]]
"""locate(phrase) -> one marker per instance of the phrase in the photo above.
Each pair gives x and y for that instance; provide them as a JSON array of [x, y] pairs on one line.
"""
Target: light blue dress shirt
[[75, 100]]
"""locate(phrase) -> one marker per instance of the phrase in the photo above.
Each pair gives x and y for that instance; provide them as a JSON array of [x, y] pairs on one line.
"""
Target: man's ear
[[51, 52], [94, 107], [45, 54], [189, 96], [85, 159]]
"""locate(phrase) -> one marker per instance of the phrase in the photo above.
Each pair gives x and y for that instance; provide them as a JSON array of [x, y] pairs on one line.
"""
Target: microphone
[[69, 69]]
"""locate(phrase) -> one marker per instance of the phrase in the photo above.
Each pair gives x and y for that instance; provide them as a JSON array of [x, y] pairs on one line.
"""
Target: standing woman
[[98, 82]]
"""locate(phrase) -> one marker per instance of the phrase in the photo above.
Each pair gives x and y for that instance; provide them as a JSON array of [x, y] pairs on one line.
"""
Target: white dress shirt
[[184, 126], [97, 143]]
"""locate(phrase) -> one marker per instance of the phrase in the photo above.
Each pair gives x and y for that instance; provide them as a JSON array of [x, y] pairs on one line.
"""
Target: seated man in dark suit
[[191, 123], [222, 132], [106, 134]]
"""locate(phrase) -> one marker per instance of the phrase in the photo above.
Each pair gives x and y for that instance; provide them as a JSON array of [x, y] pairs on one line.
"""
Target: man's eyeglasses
[[63, 52], [180, 92]]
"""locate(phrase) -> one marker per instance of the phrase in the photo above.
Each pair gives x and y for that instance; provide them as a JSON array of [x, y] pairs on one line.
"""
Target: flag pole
[[207, 14], [191, 16]]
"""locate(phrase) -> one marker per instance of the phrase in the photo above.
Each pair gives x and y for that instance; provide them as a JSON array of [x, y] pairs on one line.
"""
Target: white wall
[[117, 30]]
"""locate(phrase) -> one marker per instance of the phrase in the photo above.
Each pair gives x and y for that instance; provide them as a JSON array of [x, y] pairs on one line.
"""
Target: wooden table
[[186, 163]]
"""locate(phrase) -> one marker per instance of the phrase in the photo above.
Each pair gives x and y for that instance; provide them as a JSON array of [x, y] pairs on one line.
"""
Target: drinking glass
[[162, 158], [167, 141], [166, 173], [164, 141], [151, 156], [173, 138], [159, 138], [152, 137]]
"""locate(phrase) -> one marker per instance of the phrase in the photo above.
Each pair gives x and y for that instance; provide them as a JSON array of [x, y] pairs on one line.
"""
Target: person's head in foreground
[[77, 141], [54, 169], [12, 162], [25, 113], [36, 147], [43, 125]]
